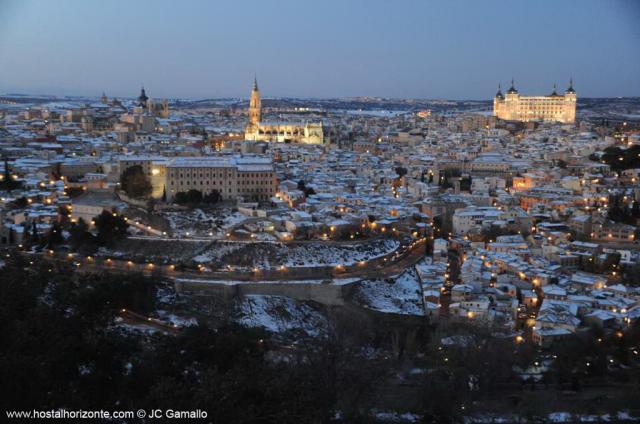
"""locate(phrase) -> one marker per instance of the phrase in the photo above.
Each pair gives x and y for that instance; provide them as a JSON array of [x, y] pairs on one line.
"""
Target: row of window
[[248, 190], [221, 183], [220, 175]]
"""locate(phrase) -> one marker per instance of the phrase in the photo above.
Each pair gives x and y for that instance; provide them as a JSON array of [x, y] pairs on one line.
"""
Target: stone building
[[555, 107], [157, 108], [249, 178], [283, 132]]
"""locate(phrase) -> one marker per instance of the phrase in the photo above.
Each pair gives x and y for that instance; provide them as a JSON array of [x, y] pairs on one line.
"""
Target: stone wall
[[326, 294]]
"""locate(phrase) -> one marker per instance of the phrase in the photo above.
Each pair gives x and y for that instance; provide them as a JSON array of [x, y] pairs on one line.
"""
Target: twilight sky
[[407, 48]]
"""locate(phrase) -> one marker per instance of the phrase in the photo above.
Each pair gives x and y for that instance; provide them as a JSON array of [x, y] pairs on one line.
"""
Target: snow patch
[[279, 314], [398, 295]]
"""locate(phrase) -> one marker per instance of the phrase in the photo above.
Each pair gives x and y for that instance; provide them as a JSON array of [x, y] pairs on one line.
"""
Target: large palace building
[[284, 132], [554, 107], [250, 178]]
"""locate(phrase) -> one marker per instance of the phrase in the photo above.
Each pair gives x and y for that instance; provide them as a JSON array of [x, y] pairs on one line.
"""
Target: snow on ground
[[137, 328], [279, 314], [554, 417], [176, 320], [170, 250], [85, 369], [165, 296], [218, 254], [309, 254], [198, 222], [337, 281], [398, 295], [565, 417], [377, 113], [220, 251], [396, 417], [332, 255], [265, 237]]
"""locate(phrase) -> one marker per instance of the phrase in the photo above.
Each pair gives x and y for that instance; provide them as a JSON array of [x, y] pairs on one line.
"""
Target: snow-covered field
[[397, 295], [215, 254], [279, 314], [397, 417], [319, 254], [242, 255], [201, 223], [170, 251], [274, 255]]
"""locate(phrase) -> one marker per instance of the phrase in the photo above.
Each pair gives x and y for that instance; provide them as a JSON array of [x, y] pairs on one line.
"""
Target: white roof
[[243, 164]]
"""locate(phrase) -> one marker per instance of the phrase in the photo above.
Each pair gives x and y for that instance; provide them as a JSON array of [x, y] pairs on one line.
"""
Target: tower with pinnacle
[[255, 105], [554, 107]]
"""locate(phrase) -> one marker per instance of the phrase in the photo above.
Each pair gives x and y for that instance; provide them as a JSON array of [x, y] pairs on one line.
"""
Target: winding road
[[380, 267]]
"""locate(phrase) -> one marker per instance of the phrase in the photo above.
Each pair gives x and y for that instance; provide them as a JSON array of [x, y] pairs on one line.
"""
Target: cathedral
[[283, 132], [554, 107], [159, 109]]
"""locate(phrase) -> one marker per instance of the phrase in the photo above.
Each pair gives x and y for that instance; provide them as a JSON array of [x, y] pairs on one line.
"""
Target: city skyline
[[435, 218], [421, 50]]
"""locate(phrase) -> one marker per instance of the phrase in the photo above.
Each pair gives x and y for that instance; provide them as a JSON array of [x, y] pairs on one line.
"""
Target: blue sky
[[456, 49]]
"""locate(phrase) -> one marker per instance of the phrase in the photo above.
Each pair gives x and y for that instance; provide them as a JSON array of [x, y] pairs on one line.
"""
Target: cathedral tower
[[142, 99], [255, 105]]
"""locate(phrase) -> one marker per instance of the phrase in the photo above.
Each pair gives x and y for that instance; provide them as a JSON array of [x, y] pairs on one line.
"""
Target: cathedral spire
[[255, 104]]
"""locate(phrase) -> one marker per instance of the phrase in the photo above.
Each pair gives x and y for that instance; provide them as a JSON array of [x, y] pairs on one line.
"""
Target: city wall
[[326, 294]]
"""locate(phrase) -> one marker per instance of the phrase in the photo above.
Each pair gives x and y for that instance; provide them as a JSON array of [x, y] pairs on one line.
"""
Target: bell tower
[[255, 105]]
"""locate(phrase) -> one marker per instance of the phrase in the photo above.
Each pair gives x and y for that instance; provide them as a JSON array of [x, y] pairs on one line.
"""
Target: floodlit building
[[555, 107], [252, 178], [283, 132]]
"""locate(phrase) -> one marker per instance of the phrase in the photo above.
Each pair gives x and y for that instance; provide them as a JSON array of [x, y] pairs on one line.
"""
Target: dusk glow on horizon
[[336, 212], [410, 49]]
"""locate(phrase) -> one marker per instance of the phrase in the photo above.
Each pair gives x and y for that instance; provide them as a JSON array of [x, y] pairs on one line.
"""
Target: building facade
[[158, 108], [249, 178], [555, 107], [282, 132]]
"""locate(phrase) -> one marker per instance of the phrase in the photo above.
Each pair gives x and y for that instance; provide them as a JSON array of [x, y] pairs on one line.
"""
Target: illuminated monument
[[283, 132], [554, 107]]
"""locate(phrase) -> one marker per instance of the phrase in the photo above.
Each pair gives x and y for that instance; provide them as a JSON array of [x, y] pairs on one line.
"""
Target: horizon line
[[190, 98]]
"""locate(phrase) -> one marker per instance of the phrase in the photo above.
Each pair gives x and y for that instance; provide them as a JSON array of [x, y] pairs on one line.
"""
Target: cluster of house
[[514, 283], [525, 206]]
